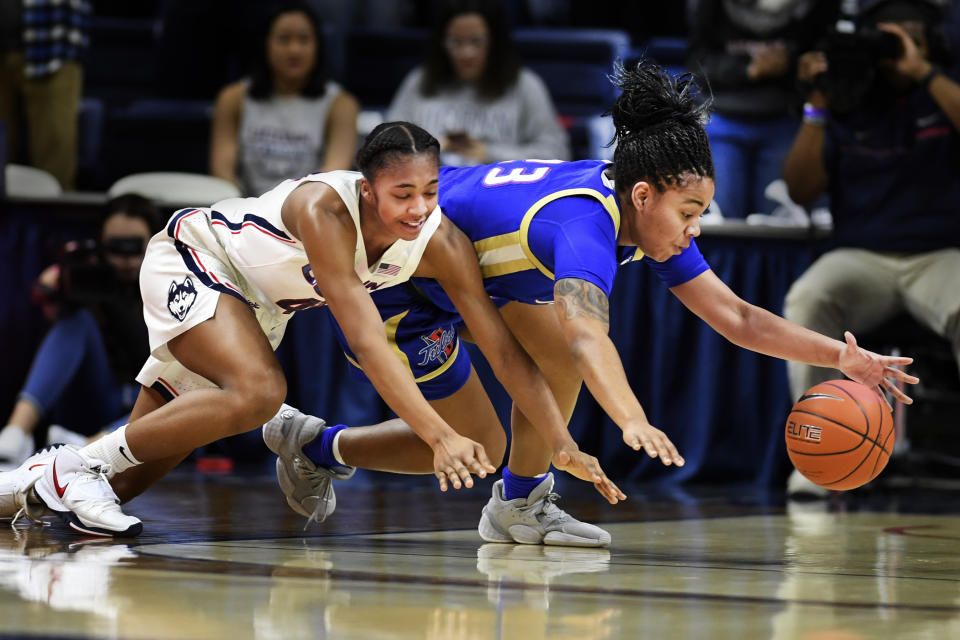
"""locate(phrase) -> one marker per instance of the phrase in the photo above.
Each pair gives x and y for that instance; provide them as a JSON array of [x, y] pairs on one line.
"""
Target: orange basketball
[[840, 434]]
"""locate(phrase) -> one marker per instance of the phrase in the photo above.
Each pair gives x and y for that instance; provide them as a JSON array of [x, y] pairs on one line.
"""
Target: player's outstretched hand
[[586, 467], [455, 458], [874, 370], [641, 434]]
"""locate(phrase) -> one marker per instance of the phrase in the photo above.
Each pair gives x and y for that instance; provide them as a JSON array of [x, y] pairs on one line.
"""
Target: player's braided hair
[[659, 127], [392, 139]]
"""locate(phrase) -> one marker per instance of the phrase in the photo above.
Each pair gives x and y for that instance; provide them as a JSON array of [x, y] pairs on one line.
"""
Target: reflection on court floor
[[803, 574]]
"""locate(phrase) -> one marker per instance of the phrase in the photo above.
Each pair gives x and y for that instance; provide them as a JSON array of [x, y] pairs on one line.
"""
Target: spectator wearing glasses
[[97, 340], [473, 94]]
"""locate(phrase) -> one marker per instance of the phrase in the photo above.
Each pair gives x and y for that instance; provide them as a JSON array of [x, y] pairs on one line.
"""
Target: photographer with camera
[[887, 152], [98, 339], [747, 52]]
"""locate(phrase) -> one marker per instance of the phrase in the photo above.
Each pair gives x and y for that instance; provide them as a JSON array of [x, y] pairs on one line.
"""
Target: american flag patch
[[388, 269]]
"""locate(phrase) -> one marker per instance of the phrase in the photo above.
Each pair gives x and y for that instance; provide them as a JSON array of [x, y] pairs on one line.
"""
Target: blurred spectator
[[747, 52], [286, 119], [472, 93], [881, 136], [41, 76], [98, 340]]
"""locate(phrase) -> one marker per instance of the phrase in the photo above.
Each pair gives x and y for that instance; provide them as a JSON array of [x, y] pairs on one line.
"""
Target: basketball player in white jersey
[[219, 285]]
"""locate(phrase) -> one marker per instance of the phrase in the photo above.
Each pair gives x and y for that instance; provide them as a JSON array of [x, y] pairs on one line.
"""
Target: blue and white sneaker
[[79, 492], [536, 520], [307, 487]]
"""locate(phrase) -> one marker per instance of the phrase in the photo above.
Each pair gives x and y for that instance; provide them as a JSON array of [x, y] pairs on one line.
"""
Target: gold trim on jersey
[[390, 326], [510, 252]]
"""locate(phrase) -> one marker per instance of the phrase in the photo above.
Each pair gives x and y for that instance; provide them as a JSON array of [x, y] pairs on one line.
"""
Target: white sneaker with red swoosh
[[77, 490], [16, 486]]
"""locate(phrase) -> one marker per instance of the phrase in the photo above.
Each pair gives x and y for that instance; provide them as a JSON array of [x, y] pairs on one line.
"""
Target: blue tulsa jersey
[[533, 222]]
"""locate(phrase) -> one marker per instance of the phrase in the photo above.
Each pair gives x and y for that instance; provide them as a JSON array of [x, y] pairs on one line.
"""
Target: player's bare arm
[[321, 221], [754, 328], [583, 310], [451, 260], [576, 297]]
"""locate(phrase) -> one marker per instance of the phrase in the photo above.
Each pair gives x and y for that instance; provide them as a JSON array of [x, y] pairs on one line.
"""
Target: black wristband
[[933, 73]]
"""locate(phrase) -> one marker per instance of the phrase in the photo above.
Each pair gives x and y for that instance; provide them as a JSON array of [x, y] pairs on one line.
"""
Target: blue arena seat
[[574, 64], [156, 134], [671, 52]]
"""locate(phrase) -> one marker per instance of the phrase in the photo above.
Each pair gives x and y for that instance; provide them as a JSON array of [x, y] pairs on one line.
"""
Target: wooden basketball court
[[223, 557]]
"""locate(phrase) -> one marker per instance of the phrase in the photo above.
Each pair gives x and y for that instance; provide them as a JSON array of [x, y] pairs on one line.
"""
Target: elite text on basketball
[[806, 432]]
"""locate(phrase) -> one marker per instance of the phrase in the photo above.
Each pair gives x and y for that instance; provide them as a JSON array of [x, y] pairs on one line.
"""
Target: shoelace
[[32, 519], [549, 510], [315, 476], [32, 512], [101, 498]]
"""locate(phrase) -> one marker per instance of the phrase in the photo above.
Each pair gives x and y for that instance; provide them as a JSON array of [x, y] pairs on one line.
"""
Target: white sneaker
[[16, 495], [16, 445], [307, 487], [77, 490], [536, 520], [800, 487]]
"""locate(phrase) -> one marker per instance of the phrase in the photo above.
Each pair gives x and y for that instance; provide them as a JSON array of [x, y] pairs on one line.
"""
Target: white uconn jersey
[[273, 272], [241, 248]]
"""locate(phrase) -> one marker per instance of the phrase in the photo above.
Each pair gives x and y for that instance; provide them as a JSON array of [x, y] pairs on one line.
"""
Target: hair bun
[[650, 98]]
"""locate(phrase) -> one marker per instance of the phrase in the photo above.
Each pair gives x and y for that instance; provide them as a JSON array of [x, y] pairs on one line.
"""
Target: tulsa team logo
[[439, 346], [181, 297]]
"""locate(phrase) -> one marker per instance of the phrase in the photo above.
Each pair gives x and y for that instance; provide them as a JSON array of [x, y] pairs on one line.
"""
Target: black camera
[[853, 63], [85, 274]]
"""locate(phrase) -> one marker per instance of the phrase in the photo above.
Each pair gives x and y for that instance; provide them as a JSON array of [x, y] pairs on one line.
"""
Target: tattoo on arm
[[577, 297]]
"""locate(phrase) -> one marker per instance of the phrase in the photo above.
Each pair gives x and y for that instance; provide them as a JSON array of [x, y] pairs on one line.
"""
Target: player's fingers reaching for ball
[[442, 479], [670, 452], [466, 477], [486, 466], [640, 433], [879, 389], [454, 478], [900, 374], [896, 392], [610, 491]]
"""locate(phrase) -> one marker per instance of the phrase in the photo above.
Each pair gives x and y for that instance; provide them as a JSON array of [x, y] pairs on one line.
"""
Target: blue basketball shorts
[[425, 337]]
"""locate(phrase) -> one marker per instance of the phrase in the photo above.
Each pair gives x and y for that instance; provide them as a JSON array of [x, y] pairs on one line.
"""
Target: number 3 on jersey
[[517, 175]]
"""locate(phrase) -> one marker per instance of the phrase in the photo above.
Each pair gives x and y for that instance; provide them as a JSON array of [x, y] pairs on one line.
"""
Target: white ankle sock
[[336, 447], [112, 449]]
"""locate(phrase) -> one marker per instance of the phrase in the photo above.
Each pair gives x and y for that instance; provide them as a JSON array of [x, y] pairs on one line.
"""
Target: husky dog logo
[[181, 297]]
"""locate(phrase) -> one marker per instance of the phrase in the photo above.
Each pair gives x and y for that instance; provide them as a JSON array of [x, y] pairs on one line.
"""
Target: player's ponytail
[[389, 140], [659, 126]]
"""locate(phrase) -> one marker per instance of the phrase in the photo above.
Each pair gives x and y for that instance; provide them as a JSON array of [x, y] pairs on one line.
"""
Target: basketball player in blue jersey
[[219, 286], [549, 237]]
